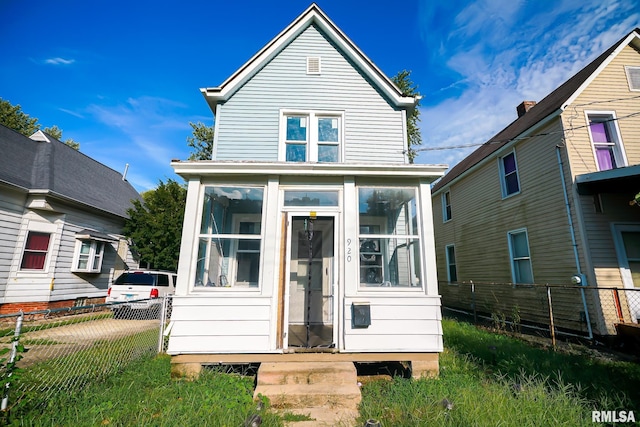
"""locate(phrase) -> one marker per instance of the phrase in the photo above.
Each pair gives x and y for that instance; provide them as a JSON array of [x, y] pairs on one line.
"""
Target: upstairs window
[[605, 140], [35, 252], [446, 206], [311, 137], [509, 175]]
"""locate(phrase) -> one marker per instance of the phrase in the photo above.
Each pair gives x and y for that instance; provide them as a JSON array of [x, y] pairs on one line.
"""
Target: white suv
[[142, 288]]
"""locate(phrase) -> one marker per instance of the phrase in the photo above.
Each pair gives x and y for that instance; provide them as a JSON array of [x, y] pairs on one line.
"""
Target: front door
[[311, 280]]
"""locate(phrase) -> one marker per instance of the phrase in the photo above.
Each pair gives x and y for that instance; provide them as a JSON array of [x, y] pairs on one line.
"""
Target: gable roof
[[42, 163], [552, 104], [312, 16]]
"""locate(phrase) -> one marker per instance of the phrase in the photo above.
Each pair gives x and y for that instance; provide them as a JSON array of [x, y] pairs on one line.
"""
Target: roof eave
[[312, 15]]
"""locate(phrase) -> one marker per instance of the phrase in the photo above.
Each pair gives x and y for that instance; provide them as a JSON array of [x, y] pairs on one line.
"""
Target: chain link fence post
[[12, 360]]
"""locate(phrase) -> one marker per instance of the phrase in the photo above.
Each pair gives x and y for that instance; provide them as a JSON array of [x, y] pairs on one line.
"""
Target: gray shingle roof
[[54, 166], [551, 103]]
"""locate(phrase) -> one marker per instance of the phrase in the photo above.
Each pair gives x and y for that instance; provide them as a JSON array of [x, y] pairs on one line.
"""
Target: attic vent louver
[[633, 76], [313, 65]]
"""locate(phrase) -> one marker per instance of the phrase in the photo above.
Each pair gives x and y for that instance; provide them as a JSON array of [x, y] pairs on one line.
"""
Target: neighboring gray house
[[61, 219], [308, 231]]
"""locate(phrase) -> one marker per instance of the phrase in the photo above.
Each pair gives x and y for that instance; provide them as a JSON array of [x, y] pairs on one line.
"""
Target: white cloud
[[59, 61], [502, 52]]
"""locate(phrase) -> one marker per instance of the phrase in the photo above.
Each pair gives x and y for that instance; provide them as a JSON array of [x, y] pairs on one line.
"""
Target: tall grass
[[485, 380], [495, 380]]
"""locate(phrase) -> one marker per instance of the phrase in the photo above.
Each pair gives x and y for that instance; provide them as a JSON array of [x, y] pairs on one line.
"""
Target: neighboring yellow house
[[565, 171]]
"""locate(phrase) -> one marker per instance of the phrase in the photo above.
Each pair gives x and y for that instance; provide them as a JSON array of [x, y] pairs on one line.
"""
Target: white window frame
[[231, 258], [38, 227], [96, 253], [513, 259], [446, 203], [312, 142], [503, 175], [614, 131], [449, 264], [415, 238]]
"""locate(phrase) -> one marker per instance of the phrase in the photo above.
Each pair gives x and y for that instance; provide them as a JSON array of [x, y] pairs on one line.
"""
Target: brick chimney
[[524, 107]]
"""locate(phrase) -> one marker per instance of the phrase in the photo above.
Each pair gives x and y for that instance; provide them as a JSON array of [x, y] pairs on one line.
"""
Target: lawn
[[485, 380]]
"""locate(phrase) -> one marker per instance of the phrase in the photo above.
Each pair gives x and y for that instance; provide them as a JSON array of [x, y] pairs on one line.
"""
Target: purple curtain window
[[605, 158], [509, 163], [599, 132]]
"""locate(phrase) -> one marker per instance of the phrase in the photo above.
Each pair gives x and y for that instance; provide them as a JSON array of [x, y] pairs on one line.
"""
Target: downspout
[[583, 278]]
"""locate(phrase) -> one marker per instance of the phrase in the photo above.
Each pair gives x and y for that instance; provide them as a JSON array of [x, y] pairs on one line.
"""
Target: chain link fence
[[580, 311], [52, 351]]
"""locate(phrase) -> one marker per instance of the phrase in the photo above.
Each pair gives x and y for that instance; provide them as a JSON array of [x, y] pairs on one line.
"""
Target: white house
[[61, 220], [308, 231]]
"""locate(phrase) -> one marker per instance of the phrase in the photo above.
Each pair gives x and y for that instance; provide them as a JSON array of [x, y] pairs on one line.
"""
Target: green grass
[[144, 395], [486, 380]]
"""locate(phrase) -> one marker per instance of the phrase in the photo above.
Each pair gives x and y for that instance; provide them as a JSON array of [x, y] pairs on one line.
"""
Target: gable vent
[[313, 65], [633, 75]]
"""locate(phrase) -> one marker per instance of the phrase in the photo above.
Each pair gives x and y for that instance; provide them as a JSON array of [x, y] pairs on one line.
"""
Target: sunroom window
[[389, 243], [230, 237]]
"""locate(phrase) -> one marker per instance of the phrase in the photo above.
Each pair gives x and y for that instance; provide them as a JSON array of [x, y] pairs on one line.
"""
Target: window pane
[[216, 262], [519, 245], [37, 241], [328, 129], [222, 203], [389, 262], [311, 198], [33, 261], [296, 153], [523, 271], [328, 153], [82, 263], [85, 248], [509, 162], [604, 155], [599, 132], [511, 183], [296, 128], [394, 209]]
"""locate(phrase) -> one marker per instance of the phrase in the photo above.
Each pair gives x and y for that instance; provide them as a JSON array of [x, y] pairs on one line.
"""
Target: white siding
[[248, 122], [220, 325], [37, 286], [407, 324], [11, 208]]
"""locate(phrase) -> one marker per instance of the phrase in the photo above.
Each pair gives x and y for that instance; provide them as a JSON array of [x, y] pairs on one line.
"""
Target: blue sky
[[123, 78]]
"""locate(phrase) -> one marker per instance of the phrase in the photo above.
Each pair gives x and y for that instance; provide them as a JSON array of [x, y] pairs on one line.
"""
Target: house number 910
[[349, 249]]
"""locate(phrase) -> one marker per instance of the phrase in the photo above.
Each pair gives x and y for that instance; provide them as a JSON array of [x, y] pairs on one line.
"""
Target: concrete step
[[307, 373], [329, 396], [323, 417]]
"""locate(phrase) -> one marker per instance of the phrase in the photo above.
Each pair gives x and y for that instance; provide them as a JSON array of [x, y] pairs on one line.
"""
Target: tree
[[56, 132], [409, 88], [14, 118], [201, 141], [155, 225]]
